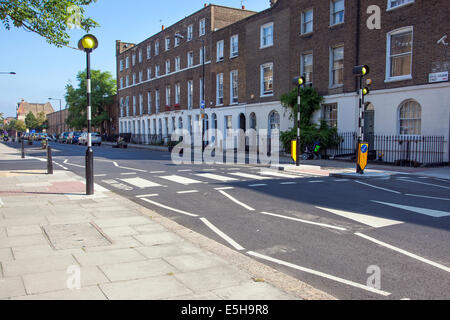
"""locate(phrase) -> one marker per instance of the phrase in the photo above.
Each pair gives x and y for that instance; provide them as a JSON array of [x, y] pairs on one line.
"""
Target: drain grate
[[72, 236]]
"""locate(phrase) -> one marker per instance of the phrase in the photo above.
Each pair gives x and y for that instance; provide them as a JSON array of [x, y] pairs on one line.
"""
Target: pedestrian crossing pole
[[299, 82], [89, 43], [361, 146]]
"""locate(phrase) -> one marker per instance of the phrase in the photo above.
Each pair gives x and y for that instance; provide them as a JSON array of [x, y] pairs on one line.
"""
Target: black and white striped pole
[[89, 43], [299, 82]]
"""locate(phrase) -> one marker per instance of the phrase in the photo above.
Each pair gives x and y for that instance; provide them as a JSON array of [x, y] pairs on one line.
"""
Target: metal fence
[[394, 149]]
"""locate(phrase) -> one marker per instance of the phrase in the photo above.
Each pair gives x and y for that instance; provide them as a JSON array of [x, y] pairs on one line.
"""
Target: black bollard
[[23, 149], [49, 160]]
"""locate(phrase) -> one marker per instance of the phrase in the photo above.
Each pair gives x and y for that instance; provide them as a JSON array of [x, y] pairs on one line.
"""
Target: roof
[[24, 108]]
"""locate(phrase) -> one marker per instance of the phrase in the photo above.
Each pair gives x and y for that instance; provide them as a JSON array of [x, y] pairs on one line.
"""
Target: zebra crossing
[[189, 177]]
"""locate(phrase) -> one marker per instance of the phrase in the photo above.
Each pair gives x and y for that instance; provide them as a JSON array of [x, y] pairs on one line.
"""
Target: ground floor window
[[329, 114], [410, 118]]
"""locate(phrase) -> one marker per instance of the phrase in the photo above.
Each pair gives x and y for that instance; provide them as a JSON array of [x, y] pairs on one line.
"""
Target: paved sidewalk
[[50, 232]]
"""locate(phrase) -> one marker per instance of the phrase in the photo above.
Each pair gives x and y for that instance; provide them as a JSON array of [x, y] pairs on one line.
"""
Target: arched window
[[274, 120], [180, 123], [252, 120], [410, 118]]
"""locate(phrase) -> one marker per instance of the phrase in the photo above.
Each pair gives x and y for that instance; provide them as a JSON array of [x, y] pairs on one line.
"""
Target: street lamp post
[[60, 114], [7, 73], [89, 43]]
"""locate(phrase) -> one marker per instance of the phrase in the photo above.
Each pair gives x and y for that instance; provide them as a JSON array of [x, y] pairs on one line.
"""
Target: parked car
[[73, 136], [96, 139], [42, 136], [62, 137]]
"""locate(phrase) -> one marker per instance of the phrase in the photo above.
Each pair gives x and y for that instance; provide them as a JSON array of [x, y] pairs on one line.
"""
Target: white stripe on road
[[148, 195], [406, 253], [288, 183], [224, 188], [216, 177], [236, 201], [141, 183], [428, 197], [257, 185], [186, 170], [128, 173], [236, 245], [424, 183], [156, 172], [169, 208], [248, 176], [188, 191], [369, 220], [317, 181], [100, 175], [61, 166], [277, 174], [74, 165], [180, 179], [369, 185], [65, 161], [428, 212], [341, 180], [304, 221], [117, 165], [320, 274]]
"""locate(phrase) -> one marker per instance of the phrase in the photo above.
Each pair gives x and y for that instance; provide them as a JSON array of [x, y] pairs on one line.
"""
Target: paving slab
[[40, 251], [23, 221], [213, 278], [150, 228], [196, 296], [23, 230], [88, 293], [137, 270], [11, 287], [19, 241], [168, 250], [119, 231], [59, 280], [126, 242], [144, 289], [119, 222], [195, 261], [29, 266], [5, 255], [158, 238], [2, 232], [71, 236], [108, 257], [252, 291]]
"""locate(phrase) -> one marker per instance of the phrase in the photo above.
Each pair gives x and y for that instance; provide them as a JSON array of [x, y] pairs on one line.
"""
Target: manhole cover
[[71, 236]]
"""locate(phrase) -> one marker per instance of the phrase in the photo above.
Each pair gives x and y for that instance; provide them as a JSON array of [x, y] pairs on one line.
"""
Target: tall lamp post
[[7, 73], [88, 44], [60, 114]]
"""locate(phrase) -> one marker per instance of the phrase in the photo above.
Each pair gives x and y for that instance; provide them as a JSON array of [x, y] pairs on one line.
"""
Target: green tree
[[41, 118], [48, 18], [20, 126], [309, 132], [31, 121], [103, 88]]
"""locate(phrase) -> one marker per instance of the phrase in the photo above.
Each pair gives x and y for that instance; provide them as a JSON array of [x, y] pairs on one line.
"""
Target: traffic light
[[361, 71], [299, 81]]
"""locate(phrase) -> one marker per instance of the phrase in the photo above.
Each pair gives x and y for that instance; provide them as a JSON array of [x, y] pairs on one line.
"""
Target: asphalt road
[[334, 234]]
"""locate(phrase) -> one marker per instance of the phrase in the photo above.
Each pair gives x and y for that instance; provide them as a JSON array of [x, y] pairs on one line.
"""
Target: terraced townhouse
[[250, 59]]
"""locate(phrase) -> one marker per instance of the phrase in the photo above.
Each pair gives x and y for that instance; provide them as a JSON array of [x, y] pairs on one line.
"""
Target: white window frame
[[399, 119], [304, 22], [202, 27], [141, 104], [140, 55], [149, 51], [121, 82], [121, 65], [201, 55], [127, 81], [177, 93], [167, 64], [220, 49], [219, 89], [176, 41], [262, 67], [234, 94], [402, 4], [234, 46], [167, 43], [149, 73], [389, 78], [156, 47], [331, 74], [263, 27], [133, 59], [302, 65], [141, 77], [333, 13], [190, 94], [190, 59], [134, 78], [177, 63], [190, 32], [134, 105], [157, 100], [168, 95], [201, 89], [127, 105], [149, 102], [157, 71], [127, 62]]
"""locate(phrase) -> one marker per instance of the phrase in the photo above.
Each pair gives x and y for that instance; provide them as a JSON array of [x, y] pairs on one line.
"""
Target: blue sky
[[44, 70]]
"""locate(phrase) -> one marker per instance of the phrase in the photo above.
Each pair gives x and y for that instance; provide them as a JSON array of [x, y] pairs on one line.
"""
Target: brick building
[[57, 122], [322, 40], [23, 108]]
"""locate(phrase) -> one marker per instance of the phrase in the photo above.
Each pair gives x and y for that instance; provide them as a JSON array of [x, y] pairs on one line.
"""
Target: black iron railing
[[394, 149]]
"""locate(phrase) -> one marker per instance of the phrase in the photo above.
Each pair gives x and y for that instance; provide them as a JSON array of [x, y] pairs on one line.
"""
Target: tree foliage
[[17, 125], [31, 121], [310, 103], [103, 88], [48, 18]]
